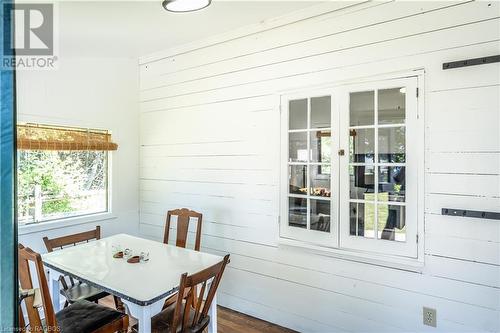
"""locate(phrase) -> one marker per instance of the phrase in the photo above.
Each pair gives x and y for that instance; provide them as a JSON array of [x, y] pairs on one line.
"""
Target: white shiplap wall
[[48, 97], [210, 141]]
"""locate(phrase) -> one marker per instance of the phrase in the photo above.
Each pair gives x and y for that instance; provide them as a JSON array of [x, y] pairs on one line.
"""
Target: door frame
[[8, 221]]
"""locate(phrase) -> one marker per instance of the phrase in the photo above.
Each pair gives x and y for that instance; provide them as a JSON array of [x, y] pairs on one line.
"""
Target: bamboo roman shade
[[44, 137]]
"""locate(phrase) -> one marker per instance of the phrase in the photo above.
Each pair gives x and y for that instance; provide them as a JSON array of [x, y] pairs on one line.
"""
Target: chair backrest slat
[[187, 287], [184, 216], [25, 257], [60, 242], [197, 314], [22, 324]]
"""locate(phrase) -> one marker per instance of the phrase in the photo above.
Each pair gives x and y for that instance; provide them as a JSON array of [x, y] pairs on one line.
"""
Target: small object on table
[[133, 260], [118, 255], [144, 256], [117, 251], [127, 253]]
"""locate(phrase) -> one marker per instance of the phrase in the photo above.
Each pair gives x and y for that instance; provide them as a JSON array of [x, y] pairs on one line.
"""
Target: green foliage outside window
[[69, 183]]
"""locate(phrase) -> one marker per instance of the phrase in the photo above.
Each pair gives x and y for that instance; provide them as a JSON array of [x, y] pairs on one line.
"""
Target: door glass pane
[[361, 107], [297, 114], [362, 145], [321, 112], [320, 215], [321, 142], [320, 180], [391, 106], [297, 179], [391, 183], [362, 182], [391, 222], [297, 147], [391, 145], [362, 219], [297, 212]]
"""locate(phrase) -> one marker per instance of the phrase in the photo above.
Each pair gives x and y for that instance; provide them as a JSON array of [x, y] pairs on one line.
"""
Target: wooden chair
[[190, 313], [82, 316], [184, 216], [78, 290]]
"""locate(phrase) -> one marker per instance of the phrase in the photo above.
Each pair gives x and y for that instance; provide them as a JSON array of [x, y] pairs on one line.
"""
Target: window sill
[[377, 259], [67, 222]]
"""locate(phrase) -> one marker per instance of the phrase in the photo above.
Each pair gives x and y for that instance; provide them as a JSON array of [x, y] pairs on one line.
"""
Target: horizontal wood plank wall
[[210, 141]]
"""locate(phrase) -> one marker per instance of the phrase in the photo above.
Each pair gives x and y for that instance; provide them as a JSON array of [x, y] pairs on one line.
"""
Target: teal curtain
[[8, 231]]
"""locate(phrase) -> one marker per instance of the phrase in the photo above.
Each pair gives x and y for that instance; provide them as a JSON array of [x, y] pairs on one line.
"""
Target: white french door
[[378, 173], [349, 167], [309, 199]]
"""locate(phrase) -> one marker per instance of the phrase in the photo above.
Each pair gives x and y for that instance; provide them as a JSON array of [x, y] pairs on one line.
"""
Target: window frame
[[383, 255], [409, 247], [77, 218], [316, 237]]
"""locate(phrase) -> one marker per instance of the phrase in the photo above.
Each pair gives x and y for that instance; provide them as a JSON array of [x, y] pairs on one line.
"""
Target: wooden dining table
[[142, 286]]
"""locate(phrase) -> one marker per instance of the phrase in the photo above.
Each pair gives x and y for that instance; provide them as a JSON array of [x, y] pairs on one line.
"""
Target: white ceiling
[[133, 29]]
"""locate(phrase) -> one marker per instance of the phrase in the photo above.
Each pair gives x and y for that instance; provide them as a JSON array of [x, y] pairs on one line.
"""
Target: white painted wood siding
[[72, 96], [210, 141]]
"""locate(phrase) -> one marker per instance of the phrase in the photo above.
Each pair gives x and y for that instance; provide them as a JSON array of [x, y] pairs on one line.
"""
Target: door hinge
[[418, 94], [417, 238], [279, 220]]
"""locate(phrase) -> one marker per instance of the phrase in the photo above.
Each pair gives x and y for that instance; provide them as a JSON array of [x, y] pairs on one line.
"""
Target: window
[[350, 167], [311, 203], [62, 172]]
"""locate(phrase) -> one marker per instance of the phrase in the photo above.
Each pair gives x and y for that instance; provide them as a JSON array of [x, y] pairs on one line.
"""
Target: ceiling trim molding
[[307, 13]]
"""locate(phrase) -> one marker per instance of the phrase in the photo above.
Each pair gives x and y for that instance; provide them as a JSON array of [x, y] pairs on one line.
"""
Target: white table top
[[141, 283]]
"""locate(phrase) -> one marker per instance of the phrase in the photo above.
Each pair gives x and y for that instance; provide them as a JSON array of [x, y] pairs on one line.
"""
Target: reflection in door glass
[[391, 183], [391, 106], [297, 179], [297, 147], [362, 219], [362, 182], [320, 182], [361, 108], [321, 112], [391, 145], [362, 145], [321, 143], [391, 223], [320, 215], [297, 212], [297, 115]]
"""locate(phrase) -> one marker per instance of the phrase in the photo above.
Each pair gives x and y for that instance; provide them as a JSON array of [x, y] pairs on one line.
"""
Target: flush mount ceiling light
[[184, 5]]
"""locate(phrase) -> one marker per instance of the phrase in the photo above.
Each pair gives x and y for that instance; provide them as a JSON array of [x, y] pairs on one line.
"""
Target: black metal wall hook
[[471, 62], [471, 213]]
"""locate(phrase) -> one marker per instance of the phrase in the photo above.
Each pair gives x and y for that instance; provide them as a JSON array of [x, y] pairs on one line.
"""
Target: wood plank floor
[[229, 321]]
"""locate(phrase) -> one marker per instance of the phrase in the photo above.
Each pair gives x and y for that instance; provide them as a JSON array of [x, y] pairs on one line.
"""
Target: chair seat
[[82, 291], [162, 322], [85, 317]]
